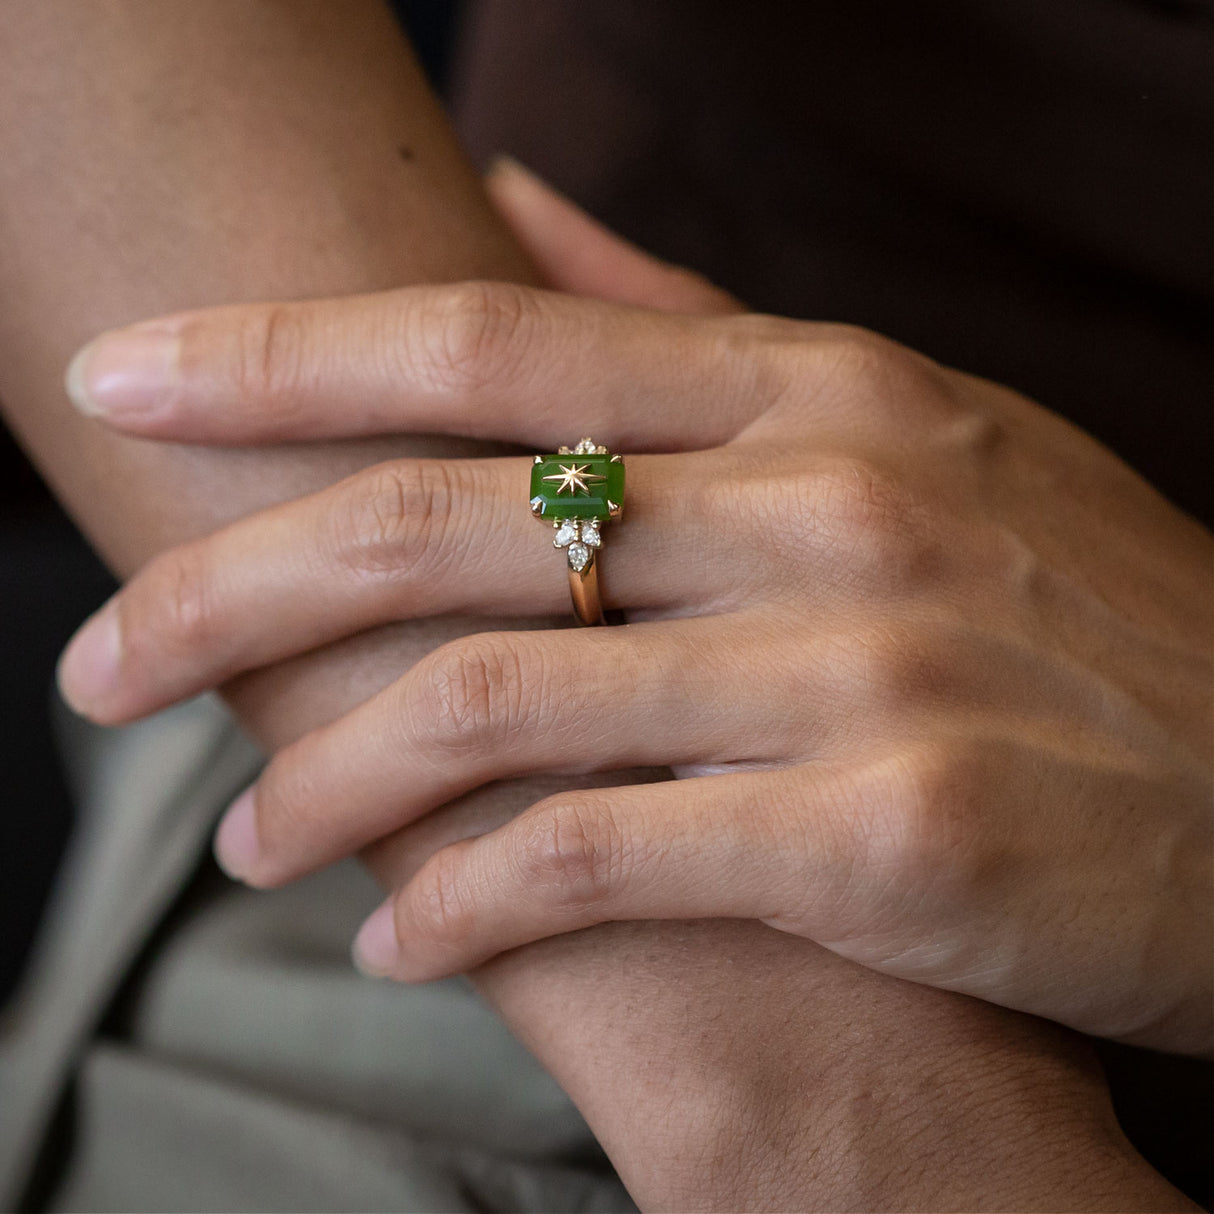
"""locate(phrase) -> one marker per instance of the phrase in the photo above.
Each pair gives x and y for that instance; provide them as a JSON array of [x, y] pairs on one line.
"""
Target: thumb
[[577, 254]]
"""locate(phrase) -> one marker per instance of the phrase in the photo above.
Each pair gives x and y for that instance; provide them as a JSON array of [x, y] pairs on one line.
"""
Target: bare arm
[[159, 154]]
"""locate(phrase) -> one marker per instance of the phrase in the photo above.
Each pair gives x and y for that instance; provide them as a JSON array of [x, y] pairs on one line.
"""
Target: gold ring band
[[584, 590]]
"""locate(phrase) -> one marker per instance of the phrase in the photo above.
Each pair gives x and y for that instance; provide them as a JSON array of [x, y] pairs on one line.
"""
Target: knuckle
[[172, 610], [866, 521], [974, 438], [858, 350], [884, 379], [395, 515], [575, 850], [851, 501], [268, 356], [866, 362], [849, 514], [474, 692], [477, 333], [925, 816], [436, 905]]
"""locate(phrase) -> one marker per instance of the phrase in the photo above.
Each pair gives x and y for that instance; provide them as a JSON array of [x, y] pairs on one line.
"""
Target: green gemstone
[[577, 486]]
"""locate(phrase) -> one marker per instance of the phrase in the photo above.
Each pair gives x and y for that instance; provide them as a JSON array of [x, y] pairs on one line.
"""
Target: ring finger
[[406, 539]]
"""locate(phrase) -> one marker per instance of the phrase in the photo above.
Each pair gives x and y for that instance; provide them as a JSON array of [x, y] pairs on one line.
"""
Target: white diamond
[[585, 447], [566, 533], [579, 557], [590, 533]]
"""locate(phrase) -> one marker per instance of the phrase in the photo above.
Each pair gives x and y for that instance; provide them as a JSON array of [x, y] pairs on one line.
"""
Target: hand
[[936, 665]]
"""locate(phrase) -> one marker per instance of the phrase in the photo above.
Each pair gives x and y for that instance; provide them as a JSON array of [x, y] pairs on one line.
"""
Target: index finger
[[477, 359]]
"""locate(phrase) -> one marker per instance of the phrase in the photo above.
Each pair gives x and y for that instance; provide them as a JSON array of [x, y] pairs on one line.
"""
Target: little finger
[[746, 845]]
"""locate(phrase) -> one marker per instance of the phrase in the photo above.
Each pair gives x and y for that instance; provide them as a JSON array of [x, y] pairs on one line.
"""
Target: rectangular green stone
[[583, 486]]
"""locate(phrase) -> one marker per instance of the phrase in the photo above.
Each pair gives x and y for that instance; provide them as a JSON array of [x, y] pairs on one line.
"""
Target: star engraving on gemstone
[[575, 478]]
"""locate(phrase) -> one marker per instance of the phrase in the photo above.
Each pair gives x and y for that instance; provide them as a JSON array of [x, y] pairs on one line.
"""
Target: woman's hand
[[935, 664]]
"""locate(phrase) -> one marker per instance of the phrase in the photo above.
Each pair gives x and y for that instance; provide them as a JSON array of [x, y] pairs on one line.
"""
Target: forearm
[[160, 154]]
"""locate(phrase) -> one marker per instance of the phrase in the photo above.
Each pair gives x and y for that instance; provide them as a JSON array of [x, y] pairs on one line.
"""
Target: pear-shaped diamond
[[579, 557], [590, 533], [566, 533]]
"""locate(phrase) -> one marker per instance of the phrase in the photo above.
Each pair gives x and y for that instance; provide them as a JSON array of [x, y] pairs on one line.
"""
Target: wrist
[[727, 1066], [998, 1112], [1018, 1118]]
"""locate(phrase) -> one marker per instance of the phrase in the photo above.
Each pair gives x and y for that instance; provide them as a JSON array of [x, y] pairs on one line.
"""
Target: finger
[[499, 705], [578, 254], [395, 858], [756, 845], [484, 360], [406, 539]]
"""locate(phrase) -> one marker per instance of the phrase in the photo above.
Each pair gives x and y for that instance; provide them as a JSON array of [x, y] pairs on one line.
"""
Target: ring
[[578, 489]]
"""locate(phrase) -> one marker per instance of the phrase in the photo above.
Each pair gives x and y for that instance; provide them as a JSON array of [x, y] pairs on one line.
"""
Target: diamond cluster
[[586, 446], [578, 538]]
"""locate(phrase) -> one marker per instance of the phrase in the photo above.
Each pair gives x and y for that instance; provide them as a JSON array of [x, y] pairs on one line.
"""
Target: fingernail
[[236, 844], [127, 372], [376, 951], [88, 669]]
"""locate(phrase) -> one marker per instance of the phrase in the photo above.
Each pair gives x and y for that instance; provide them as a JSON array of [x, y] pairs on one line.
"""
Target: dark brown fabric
[[1024, 190]]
